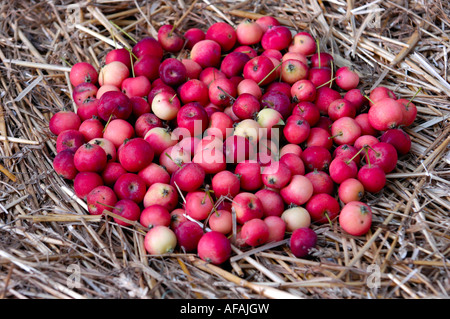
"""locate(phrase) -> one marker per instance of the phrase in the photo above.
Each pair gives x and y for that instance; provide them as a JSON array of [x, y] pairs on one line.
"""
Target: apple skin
[[277, 37], [155, 215], [127, 209], [222, 221], [83, 72], [225, 183], [222, 33], [170, 38], [277, 228], [100, 198], [214, 247], [69, 140], [160, 240], [296, 217], [323, 208], [298, 191], [301, 241], [250, 175], [64, 120], [64, 166], [372, 177], [136, 154], [172, 72], [114, 105], [350, 190], [198, 205], [90, 158], [258, 69], [130, 186], [193, 118], [188, 235], [162, 194], [189, 177], [207, 53], [397, 138], [385, 113], [248, 32], [255, 232], [84, 182], [272, 202], [192, 36], [356, 218], [247, 206]]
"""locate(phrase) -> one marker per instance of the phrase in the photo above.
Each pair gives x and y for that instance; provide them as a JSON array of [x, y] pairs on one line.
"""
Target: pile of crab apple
[[241, 136]]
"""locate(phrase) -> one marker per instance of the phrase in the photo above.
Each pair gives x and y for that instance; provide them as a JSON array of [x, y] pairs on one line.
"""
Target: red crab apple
[[319, 136], [276, 175], [320, 77], [192, 36], [194, 90], [210, 74], [90, 158], [249, 173], [298, 191], [155, 215], [222, 92], [347, 78], [225, 183], [147, 66], [279, 87], [383, 155], [224, 34], [145, 122], [154, 173], [198, 205], [291, 148], [366, 128], [136, 86], [272, 202], [64, 166], [85, 182], [160, 240], [324, 96], [273, 53], [277, 228], [249, 86], [189, 144], [170, 38], [172, 72], [160, 138], [303, 90], [100, 198], [259, 69], [277, 37], [193, 118], [84, 94], [303, 43], [114, 105], [247, 206], [347, 152], [381, 92], [189, 177], [308, 111], [165, 106], [320, 59], [278, 101], [409, 112], [102, 90], [294, 163], [293, 71], [136, 154], [188, 235], [161, 194], [211, 159], [365, 140], [323, 208], [357, 98], [64, 120], [92, 128], [385, 113], [255, 232], [350, 190], [372, 177], [341, 169], [249, 32], [112, 172], [173, 157], [207, 53], [296, 129], [177, 217], [150, 46], [316, 157], [130, 186], [193, 69], [397, 138], [127, 212], [83, 72], [108, 147], [321, 181], [246, 106], [237, 148], [113, 74], [356, 218], [296, 217], [345, 130], [69, 139], [267, 22], [117, 131], [249, 50], [119, 54], [341, 108], [302, 241], [221, 221], [220, 125], [214, 247]]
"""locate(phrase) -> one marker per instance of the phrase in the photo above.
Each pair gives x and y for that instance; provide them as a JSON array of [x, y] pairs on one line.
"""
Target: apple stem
[[226, 93], [354, 156], [328, 217], [365, 95], [106, 205], [367, 156], [170, 157], [171, 99], [273, 70], [332, 71], [109, 120], [414, 96], [338, 134], [327, 82], [318, 52], [66, 62], [124, 32]]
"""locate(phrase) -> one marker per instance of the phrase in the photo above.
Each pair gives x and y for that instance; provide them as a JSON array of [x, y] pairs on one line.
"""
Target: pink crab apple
[[198, 205], [323, 208], [409, 112], [321, 59], [302, 241], [145, 122], [273, 53], [113, 74], [321, 181], [276, 175], [379, 93], [192, 36], [189, 177], [347, 152], [222, 92], [162, 194], [100, 198], [193, 69], [251, 130], [221, 221], [84, 182], [277, 37], [308, 111], [85, 94], [279, 87], [172, 72], [222, 33], [160, 138], [147, 66], [278, 101], [347, 78], [296, 217], [249, 86], [303, 90], [160, 240], [193, 118], [64, 120], [356, 218], [385, 113], [112, 172], [298, 191], [247, 206], [209, 74], [296, 129], [277, 228], [341, 108], [173, 157], [64, 165], [357, 98], [83, 72], [267, 22], [119, 54], [316, 157], [114, 105], [294, 163], [90, 158], [136, 86], [165, 106], [237, 148], [246, 106], [211, 159], [136, 154], [220, 125], [291, 148], [383, 155], [69, 139], [255, 232], [130, 186], [170, 38], [324, 96], [341, 169], [293, 71], [345, 130], [225, 183], [118, 130], [127, 211], [303, 43], [154, 173], [148, 45], [319, 136], [194, 90], [248, 32], [207, 53], [372, 177], [249, 173], [366, 128], [397, 138], [320, 76], [91, 128], [108, 147], [214, 247], [272, 202], [155, 215], [365, 140], [350, 190], [259, 69], [188, 235]]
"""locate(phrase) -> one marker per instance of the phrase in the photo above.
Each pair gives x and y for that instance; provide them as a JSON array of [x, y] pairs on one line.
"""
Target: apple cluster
[[243, 135]]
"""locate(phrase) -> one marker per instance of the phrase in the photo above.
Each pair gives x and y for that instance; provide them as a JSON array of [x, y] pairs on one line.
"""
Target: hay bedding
[[48, 241]]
